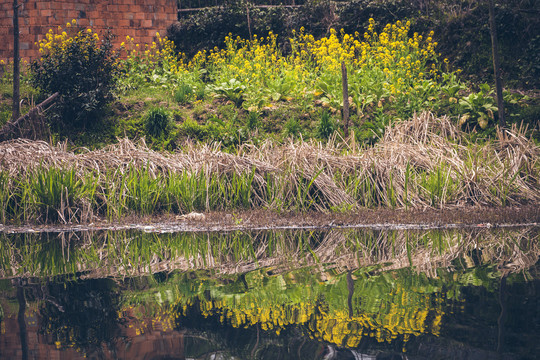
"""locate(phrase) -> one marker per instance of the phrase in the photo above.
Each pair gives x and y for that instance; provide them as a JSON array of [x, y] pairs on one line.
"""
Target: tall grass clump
[[60, 195], [157, 122], [326, 126]]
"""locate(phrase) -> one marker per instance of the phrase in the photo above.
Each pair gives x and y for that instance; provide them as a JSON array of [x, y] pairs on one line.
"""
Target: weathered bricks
[[138, 19]]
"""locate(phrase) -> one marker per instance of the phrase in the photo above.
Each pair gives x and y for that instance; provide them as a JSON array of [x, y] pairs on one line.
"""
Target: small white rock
[[191, 216]]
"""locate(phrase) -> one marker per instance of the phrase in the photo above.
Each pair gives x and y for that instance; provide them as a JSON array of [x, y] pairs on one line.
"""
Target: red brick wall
[[140, 19]]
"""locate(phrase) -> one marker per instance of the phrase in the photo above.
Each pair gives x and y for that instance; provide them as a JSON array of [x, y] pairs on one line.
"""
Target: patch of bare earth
[[528, 215], [481, 216]]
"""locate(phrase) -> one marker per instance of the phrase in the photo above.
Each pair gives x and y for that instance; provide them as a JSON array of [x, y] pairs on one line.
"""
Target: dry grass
[[419, 163]]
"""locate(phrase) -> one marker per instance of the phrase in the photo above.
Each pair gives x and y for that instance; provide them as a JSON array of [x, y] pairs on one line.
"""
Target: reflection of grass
[[133, 253]]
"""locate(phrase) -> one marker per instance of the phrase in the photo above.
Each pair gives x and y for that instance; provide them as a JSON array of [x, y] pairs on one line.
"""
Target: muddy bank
[[262, 219]]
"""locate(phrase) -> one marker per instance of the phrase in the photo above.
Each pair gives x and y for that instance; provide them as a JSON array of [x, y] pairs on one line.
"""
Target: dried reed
[[424, 162]]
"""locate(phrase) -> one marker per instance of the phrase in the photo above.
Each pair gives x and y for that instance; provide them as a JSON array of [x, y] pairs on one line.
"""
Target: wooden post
[[496, 66], [16, 69], [345, 111], [21, 319], [248, 21]]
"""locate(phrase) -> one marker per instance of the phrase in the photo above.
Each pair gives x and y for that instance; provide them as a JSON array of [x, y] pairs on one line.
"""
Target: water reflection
[[291, 295], [131, 253]]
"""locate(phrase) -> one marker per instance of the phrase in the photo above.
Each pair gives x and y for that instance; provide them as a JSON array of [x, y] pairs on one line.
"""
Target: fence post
[[248, 21], [496, 64], [345, 111], [16, 62]]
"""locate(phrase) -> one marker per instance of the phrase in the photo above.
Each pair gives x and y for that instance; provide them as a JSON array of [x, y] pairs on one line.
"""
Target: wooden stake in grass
[[16, 71], [496, 65], [345, 84], [248, 21]]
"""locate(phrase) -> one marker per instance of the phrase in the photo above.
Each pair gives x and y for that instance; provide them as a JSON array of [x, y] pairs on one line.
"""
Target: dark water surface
[[317, 294]]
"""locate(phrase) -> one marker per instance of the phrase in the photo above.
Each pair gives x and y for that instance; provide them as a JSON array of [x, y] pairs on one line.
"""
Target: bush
[[157, 122], [81, 67]]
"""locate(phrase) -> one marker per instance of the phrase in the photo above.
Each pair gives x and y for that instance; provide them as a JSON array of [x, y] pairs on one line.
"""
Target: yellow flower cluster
[[328, 52], [56, 42], [402, 60], [258, 62], [160, 54], [394, 60]]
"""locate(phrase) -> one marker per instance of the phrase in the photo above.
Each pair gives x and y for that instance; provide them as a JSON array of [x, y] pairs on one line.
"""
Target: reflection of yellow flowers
[[406, 313]]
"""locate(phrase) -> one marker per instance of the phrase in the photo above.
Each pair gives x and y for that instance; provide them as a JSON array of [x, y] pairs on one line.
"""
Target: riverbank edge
[[215, 221]]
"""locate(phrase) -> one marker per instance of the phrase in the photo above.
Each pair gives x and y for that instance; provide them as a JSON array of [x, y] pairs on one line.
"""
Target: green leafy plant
[[478, 108], [232, 90]]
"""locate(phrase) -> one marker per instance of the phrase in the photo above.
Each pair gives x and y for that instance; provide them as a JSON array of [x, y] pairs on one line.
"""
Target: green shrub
[[157, 122], [82, 67]]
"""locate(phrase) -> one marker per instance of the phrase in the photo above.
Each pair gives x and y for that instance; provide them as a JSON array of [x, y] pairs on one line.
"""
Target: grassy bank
[[424, 162], [272, 86]]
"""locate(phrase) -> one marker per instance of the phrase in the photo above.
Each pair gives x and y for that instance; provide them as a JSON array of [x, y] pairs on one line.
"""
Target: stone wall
[[140, 19]]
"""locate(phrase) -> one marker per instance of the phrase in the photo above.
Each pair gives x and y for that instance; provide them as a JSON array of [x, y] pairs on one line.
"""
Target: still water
[[317, 294]]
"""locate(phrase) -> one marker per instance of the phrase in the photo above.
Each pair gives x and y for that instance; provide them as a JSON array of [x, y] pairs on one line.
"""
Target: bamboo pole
[[10, 126], [496, 64], [345, 112], [16, 61]]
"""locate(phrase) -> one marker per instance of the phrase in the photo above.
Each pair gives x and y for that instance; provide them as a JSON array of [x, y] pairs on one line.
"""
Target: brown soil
[[263, 219], [366, 217]]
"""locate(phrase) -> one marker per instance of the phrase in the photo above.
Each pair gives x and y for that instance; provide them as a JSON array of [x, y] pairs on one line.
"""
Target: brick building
[[154, 344], [140, 19]]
